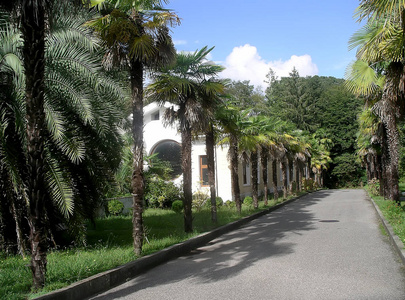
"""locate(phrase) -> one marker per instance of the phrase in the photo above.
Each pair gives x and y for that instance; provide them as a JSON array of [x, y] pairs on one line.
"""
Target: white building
[[166, 141]]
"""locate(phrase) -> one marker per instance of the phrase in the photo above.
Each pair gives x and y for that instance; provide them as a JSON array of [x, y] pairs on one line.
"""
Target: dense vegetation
[[323, 107], [72, 73]]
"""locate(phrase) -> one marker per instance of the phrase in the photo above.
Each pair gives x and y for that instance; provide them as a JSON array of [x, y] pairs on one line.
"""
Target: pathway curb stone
[[106, 280]]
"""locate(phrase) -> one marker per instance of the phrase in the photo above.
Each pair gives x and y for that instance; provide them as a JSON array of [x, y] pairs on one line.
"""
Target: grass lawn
[[109, 244], [393, 213]]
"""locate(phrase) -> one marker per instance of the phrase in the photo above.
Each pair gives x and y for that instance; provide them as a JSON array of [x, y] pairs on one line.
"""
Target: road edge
[[395, 241]]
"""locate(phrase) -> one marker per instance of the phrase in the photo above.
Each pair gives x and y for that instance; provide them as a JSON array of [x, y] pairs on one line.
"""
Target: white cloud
[[179, 42], [245, 63]]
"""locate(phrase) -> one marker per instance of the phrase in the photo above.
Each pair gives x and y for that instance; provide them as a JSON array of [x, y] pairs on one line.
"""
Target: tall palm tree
[[381, 41], [78, 114], [137, 35], [320, 146], [191, 83], [232, 121]]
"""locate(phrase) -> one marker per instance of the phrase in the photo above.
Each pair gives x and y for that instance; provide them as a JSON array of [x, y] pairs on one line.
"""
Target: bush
[[161, 194], [374, 186], [308, 184], [177, 206], [218, 200], [115, 207], [248, 201], [230, 204], [199, 200]]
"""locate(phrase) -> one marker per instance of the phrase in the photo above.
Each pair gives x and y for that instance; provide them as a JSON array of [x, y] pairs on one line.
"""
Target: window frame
[[203, 167]]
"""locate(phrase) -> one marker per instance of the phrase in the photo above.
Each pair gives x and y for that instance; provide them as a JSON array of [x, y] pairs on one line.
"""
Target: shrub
[[248, 201], [115, 207], [293, 187], [218, 200], [308, 184], [230, 204], [199, 200], [374, 186], [161, 194], [177, 206]]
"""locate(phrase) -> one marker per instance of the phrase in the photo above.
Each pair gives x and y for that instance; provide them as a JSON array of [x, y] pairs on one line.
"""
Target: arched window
[[169, 151]]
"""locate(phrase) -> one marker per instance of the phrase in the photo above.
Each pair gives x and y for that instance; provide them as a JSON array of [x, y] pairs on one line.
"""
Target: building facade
[[165, 140]]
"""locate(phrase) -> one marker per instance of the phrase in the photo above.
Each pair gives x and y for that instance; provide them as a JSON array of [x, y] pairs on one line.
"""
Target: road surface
[[326, 245]]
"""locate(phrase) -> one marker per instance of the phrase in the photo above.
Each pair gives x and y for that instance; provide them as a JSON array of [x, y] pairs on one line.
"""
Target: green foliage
[[230, 204], [218, 200], [395, 214], [110, 244], [177, 206], [115, 207], [347, 170], [308, 184], [245, 96], [248, 201], [160, 193], [200, 199], [82, 106], [374, 187], [320, 104]]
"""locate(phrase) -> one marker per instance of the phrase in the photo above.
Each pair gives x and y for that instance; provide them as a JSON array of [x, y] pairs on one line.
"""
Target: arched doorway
[[169, 151]]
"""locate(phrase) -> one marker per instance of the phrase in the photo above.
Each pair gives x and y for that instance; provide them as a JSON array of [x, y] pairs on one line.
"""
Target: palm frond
[[362, 79], [59, 187]]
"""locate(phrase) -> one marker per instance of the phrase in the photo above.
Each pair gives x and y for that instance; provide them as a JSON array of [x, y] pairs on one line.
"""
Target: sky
[[250, 37]]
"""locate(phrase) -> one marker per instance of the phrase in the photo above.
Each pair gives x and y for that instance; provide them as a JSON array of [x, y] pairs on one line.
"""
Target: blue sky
[[252, 36]]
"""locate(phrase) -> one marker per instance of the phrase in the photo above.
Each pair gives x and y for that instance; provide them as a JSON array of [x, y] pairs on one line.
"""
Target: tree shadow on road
[[231, 253]]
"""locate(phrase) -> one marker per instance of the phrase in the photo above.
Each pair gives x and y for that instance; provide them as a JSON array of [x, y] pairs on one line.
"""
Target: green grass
[[393, 213], [109, 244]]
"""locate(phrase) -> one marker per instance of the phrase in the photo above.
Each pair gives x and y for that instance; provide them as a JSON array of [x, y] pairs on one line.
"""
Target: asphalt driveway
[[326, 245]]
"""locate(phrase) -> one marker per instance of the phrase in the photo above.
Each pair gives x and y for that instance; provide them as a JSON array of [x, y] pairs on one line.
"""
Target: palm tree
[[320, 146], [79, 137], [257, 136], [232, 121], [381, 42], [191, 83], [137, 35]]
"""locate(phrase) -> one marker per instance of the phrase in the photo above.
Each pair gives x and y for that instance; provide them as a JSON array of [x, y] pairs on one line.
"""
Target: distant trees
[[320, 103]]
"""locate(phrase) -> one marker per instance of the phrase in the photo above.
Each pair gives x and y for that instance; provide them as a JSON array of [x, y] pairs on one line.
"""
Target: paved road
[[326, 245]]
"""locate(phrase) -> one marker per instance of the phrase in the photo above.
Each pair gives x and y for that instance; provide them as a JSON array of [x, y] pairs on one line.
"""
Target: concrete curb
[[394, 239], [106, 280]]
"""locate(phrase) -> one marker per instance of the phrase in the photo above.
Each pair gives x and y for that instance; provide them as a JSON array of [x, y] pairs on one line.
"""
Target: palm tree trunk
[[393, 146], [210, 143], [20, 236], [274, 177], [297, 176], [283, 166], [33, 30], [264, 158], [137, 172], [291, 176], [254, 160], [186, 140], [233, 156]]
